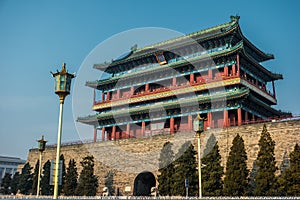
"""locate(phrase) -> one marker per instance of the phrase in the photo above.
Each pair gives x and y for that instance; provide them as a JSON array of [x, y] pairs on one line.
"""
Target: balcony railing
[[204, 80], [263, 89]]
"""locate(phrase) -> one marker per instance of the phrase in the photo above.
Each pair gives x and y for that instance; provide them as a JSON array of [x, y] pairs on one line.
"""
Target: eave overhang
[[225, 52], [201, 99]]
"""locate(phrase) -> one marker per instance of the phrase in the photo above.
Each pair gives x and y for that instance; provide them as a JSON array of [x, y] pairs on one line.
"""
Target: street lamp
[[199, 128], [41, 147], [62, 85]]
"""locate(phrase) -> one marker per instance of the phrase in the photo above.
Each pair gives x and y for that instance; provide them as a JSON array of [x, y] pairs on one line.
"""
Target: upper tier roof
[[239, 47], [231, 27]]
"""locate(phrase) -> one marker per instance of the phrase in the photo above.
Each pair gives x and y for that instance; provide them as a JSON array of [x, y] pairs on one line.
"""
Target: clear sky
[[36, 37]]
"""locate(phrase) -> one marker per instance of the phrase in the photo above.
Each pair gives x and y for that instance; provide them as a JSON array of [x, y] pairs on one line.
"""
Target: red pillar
[[147, 87], [95, 134], [128, 131], [143, 128], [174, 81], [210, 74], [233, 70], [117, 135], [118, 93], [192, 78], [172, 125], [209, 119], [253, 117], [239, 115], [190, 122], [113, 133], [246, 116], [225, 118], [226, 71], [108, 96], [103, 133], [103, 96]]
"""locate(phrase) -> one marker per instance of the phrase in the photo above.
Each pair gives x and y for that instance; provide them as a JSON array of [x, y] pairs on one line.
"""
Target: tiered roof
[[239, 47], [231, 28]]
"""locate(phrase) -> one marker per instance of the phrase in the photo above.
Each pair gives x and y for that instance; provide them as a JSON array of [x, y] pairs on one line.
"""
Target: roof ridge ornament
[[235, 18], [134, 47]]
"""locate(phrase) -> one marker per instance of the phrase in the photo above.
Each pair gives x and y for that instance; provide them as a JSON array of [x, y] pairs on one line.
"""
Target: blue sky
[[36, 37]]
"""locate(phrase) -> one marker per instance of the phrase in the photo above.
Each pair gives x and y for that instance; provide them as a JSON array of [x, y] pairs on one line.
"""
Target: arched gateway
[[143, 183]]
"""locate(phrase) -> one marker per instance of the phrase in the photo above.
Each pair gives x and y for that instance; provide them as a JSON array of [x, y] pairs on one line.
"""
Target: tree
[[88, 182], [6, 181], [265, 180], [185, 168], [212, 173], [166, 169], [71, 179], [109, 183], [252, 184], [236, 175], [46, 188], [25, 183], [14, 183], [63, 174], [290, 180], [35, 177]]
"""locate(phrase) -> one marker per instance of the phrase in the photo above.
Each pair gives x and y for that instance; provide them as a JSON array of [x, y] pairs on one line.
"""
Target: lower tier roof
[[227, 95]]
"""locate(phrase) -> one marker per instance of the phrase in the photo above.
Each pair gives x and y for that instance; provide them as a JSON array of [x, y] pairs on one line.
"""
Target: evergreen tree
[[236, 175], [63, 174], [71, 179], [212, 172], [109, 183], [290, 180], [185, 168], [25, 183], [252, 183], [265, 180], [14, 183], [6, 181], [166, 169], [35, 177], [88, 182], [46, 188]]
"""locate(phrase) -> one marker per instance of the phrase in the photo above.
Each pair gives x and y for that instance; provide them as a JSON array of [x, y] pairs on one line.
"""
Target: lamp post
[[41, 147], [62, 85], [199, 128]]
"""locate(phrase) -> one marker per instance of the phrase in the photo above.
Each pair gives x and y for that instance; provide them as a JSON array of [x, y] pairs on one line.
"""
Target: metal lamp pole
[[41, 146], [199, 164], [199, 128], [62, 82], [56, 168]]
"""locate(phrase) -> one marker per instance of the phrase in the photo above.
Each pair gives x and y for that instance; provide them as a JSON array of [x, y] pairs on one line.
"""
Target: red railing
[[263, 89], [170, 87]]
